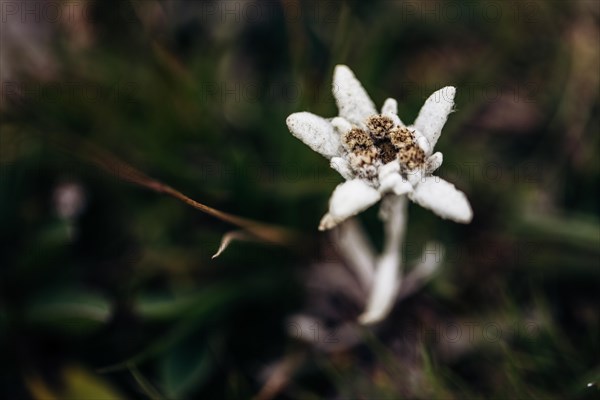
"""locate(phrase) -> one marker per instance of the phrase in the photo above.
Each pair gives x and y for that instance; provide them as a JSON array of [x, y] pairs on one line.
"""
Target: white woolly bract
[[348, 199], [442, 198], [352, 100], [390, 106], [316, 132], [434, 113]]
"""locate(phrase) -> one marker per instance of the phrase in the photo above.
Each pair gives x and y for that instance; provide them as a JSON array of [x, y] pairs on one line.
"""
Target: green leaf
[[188, 366], [189, 313], [75, 312], [580, 230], [166, 306]]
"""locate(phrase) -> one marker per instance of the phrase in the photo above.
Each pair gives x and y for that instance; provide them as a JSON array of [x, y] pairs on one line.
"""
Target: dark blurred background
[[108, 289]]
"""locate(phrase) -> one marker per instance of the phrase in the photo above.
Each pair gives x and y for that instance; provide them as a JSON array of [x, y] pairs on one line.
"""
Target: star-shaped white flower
[[378, 155]]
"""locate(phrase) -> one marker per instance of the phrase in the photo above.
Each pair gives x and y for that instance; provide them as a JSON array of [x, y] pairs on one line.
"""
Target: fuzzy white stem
[[388, 275], [354, 246]]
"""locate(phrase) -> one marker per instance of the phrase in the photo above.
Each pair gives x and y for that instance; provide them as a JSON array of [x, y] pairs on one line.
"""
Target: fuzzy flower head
[[378, 155]]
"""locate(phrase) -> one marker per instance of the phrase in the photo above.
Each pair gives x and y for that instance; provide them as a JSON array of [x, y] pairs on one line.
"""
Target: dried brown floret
[[411, 156], [356, 138], [379, 126], [401, 137], [387, 151], [383, 143], [363, 156]]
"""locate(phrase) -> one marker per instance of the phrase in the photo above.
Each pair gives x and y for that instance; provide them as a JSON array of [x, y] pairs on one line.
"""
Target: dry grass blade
[[280, 377], [113, 165], [229, 237]]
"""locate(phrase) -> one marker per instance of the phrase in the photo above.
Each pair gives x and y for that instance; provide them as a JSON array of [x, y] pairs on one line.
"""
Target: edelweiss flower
[[378, 155]]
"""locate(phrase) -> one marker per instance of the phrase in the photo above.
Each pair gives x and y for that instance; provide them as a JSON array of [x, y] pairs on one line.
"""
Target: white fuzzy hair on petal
[[442, 198], [390, 109], [316, 132], [342, 166], [434, 113], [390, 106], [341, 125], [434, 162], [348, 199], [353, 102]]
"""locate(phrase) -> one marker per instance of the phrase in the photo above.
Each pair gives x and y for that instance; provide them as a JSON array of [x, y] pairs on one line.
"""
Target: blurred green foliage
[[123, 299]]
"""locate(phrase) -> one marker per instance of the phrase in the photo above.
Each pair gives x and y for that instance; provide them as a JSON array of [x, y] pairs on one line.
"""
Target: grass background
[[124, 300]]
